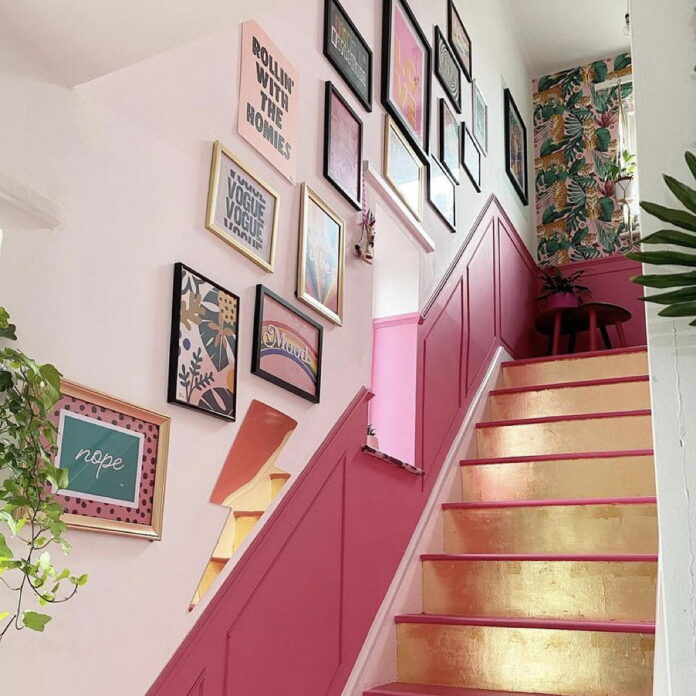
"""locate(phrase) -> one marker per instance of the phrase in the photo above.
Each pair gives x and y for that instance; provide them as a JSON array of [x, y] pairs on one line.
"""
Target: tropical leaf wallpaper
[[575, 138]]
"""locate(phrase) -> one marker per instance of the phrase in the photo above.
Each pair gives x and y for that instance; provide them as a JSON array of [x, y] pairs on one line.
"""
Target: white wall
[[664, 54], [128, 157]]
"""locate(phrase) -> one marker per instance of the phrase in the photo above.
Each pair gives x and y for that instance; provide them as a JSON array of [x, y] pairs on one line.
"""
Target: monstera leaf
[[681, 302]]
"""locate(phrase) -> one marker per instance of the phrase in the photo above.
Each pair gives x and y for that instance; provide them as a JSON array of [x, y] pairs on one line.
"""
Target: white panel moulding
[[21, 207], [397, 206]]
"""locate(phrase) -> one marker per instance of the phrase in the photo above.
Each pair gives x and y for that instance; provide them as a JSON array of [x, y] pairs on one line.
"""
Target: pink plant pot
[[561, 300]]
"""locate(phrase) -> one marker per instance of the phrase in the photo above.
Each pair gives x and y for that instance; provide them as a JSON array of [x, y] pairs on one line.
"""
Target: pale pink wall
[[394, 367]]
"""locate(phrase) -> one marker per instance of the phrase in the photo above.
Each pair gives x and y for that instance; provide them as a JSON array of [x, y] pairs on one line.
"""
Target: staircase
[[547, 583]]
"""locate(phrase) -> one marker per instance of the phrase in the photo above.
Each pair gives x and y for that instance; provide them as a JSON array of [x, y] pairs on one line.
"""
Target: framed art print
[[269, 112], [515, 147], [447, 70], [242, 208], [459, 39], [321, 257], [203, 345], [287, 346], [471, 157], [480, 119], [343, 144], [450, 146], [406, 73], [442, 194], [348, 52], [116, 457], [403, 169]]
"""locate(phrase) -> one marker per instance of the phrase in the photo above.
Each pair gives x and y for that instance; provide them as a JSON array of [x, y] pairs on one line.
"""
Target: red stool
[[588, 317]]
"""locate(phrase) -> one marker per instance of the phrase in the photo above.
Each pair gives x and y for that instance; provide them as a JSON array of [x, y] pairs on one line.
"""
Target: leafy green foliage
[[554, 283], [30, 519], [682, 302]]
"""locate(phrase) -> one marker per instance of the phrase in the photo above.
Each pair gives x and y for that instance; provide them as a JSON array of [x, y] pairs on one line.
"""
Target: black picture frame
[[469, 145], [261, 293], [454, 22], [330, 91], [454, 166], [422, 148], [334, 56], [174, 348], [435, 166], [447, 70], [510, 110]]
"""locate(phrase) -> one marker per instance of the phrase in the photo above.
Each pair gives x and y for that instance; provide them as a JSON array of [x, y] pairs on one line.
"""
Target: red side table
[[588, 317]]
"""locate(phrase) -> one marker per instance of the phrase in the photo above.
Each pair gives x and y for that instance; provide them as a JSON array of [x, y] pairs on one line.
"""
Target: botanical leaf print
[[217, 328], [206, 367], [575, 139]]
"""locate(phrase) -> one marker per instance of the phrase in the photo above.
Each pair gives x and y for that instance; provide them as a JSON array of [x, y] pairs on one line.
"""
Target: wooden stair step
[[619, 473], [582, 526], [621, 362], [587, 432], [567, 398], [597, 587], [403, 689]]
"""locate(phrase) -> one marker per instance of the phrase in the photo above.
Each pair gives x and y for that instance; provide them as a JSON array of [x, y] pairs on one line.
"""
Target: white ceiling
[[74, 41], [558, 34]]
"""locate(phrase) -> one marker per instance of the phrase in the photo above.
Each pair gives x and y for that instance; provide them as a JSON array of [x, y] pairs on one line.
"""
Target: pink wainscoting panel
[[481, 305], [443, 362], [609, 280], [292, 615], [310, 595], [395, 366], [518, 290]]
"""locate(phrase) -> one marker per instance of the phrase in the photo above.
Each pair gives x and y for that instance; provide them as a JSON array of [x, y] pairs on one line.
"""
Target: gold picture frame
[[391, 130], [151, 530], [211, 215], [313, 289]]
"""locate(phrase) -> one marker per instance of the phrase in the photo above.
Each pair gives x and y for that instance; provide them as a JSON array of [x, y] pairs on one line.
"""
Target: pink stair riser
[[557, 457], [644, 628]]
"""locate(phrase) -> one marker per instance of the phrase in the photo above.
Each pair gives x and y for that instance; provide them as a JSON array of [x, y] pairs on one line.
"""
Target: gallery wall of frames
[[213, 198]]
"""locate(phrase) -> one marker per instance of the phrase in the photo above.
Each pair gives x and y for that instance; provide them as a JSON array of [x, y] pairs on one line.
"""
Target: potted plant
[[680, 298], [561, 291], [31, 525], [372, 440], [622, 173]]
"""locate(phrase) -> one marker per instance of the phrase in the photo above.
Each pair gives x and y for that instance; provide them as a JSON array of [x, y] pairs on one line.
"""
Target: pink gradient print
[[322, 256], [282, 327], [109, 511], [407, 72], [344, 152]]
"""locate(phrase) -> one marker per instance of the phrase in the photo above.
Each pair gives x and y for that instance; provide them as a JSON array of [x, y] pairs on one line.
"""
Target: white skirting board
[[376, 663], [22, 207]]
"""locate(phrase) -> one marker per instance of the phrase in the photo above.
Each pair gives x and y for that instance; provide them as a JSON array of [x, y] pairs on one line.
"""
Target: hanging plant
[[680, 302], [364, 248], [30, 519]]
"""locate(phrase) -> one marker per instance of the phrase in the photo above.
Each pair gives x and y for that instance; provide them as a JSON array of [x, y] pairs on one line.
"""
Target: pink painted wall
[[394, 369], [609, 278], [292, 616]]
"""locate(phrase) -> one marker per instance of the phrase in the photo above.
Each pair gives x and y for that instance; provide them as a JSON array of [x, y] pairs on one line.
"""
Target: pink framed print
[[321, 257], [343, 139], [406, 61], [287, 347], [116, 457], [269, 100]]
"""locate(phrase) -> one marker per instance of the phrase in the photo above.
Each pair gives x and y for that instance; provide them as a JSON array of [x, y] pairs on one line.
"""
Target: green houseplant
[[30, 519], [622, 173], [680, 302], [558, 290]]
